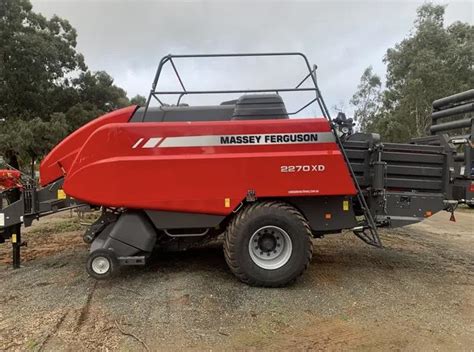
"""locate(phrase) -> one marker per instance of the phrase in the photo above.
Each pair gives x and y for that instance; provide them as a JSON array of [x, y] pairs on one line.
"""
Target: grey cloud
[[127, 38]]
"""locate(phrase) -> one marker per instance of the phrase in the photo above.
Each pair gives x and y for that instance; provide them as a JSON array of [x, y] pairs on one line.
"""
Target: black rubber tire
[[114, 266], [471, 206], [249, 220]]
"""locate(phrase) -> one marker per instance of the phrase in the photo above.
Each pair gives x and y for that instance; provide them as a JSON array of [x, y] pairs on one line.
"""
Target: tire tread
[[231, 239]]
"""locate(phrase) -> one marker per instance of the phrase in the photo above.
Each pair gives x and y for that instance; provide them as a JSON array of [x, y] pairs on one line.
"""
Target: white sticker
[[2, 219], [237, 140]]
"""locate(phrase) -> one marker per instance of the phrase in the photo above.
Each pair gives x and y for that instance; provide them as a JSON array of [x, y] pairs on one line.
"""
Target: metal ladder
[[367, 232]]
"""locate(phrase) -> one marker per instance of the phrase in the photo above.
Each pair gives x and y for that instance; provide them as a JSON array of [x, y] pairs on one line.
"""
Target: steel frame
[[168, 59]]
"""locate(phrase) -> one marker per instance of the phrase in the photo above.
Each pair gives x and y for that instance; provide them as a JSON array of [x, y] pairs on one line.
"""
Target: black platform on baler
[[247, 107]]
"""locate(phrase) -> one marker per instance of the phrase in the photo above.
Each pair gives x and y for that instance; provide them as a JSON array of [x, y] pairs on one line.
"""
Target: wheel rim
[[100, 265], [270, 247]]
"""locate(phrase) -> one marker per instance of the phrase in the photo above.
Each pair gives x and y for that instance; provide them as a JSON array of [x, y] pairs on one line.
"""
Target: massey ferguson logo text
[[270, 138], [233, 140]]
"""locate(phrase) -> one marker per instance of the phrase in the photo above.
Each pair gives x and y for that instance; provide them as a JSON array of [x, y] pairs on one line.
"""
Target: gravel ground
[[416, 294]]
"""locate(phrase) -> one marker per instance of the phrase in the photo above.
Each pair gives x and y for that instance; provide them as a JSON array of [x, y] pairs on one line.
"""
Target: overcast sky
[[127, 38]]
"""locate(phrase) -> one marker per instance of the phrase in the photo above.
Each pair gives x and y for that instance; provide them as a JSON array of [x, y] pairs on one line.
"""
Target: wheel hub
[[270, 247], [267, 243], [100, 265]]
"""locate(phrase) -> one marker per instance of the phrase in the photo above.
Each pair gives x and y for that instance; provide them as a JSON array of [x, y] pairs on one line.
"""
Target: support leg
[[16, 244]]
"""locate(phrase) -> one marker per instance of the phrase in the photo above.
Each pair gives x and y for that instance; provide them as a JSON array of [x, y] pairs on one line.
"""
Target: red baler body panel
[[182, 166], [60, 159]]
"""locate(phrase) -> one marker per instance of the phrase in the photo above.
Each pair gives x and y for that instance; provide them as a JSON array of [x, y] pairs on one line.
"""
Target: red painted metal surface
[[10, 179], [113, 168], [60, 159]]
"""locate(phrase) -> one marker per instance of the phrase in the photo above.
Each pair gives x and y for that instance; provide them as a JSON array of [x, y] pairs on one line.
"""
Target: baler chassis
[[377, 185]]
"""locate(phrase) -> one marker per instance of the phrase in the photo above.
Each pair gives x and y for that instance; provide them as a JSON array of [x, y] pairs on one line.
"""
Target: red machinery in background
[[10, 179]]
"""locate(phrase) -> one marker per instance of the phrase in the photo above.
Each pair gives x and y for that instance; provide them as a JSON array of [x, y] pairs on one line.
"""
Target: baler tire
[[252, 219], [109, 256]]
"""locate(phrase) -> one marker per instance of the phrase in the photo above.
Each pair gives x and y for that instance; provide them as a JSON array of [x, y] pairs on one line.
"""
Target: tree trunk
[[12, 159], [33, 168]]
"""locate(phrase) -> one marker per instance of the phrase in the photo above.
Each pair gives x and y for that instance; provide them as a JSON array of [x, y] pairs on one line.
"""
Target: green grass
[[31, 345]]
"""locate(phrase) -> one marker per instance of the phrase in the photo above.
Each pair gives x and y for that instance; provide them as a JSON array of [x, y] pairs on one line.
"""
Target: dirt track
[[416, 294]]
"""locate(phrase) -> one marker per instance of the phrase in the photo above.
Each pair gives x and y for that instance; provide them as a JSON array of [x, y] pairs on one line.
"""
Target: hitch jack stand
[[16, 244]]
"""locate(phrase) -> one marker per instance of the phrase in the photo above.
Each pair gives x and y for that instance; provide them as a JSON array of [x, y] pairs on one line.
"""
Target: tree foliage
[[46, 90], [367, 100], [95, 95], [138, 100], [432, 62], [36, 55]]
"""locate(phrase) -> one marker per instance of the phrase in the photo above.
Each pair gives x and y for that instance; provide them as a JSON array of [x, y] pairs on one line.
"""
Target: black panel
[[104, 241], [409, 166], [176, 220], [415, 170], [315, 208], [247, 107], [415, 148], [413, 157], [260, 107], [357, 167], [184, 113], [406, 208], [415, 184], [356, 154], [134, 229], [12, 214]]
